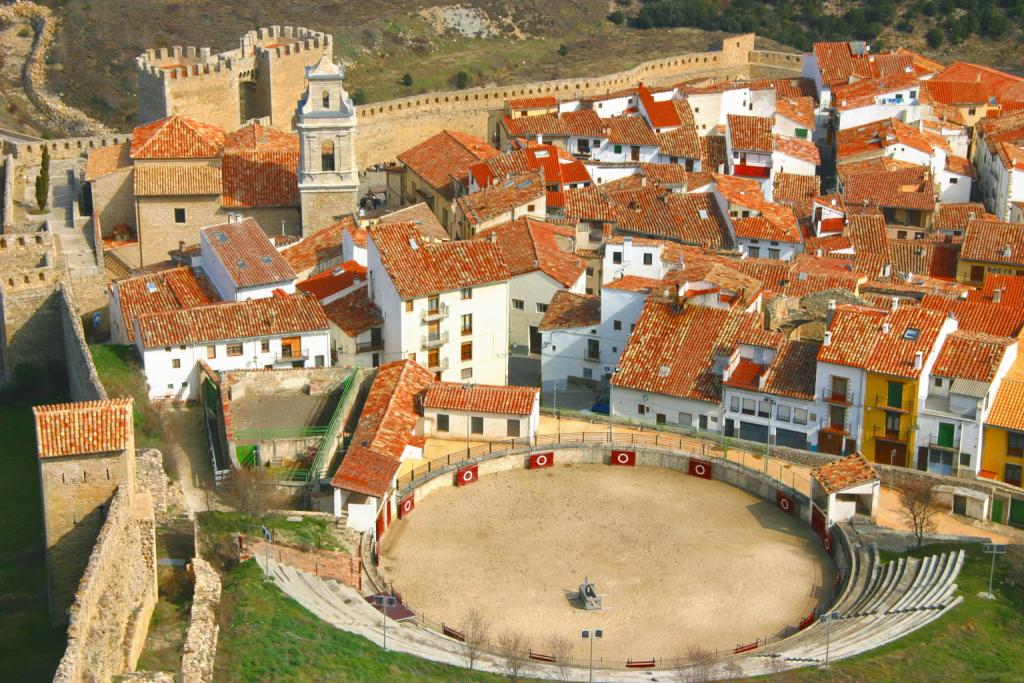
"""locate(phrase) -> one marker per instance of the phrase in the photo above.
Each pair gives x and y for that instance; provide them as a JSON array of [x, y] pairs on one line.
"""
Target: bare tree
[[697, 667], [512, 654], [918, 507], [252, 491], [475, 629], [560, 647]]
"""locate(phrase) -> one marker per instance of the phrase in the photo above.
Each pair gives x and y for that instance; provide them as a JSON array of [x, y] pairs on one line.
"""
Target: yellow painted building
[[890, 407], [1002, 455]]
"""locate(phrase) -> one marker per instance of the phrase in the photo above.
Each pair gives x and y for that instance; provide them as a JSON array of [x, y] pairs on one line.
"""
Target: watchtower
[[86, 452], [326, 121]]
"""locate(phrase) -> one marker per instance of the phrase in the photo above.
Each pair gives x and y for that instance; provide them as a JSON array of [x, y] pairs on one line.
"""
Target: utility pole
[[385, 601], [992, 549], [592, 636], [827, 619]]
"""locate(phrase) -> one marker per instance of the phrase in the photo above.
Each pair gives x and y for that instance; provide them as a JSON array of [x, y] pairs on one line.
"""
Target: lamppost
[[385, 601], [992, 549], [768, 451], [592, 636], [558, 421], [610, 378], [468, 387], [827, 619], [267, 537]]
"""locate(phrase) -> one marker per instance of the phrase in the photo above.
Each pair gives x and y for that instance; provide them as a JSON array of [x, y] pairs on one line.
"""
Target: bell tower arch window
[[327, 155]]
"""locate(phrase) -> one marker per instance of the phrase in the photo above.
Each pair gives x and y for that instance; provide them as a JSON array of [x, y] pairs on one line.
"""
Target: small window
[[467, 324], [518, 304], [590, 271], [327, 156], [659, 418], [476, 425], [800, 133], [234, 349], [648, 259], [175, 362], [641, 409], [783, 413], [734, 404], [467, 292], [938, 381], [211, 351], [686, 419], [542, 308], [616, 324], [408, 306], [512, 428], [764, 409], [972, 111], [774, 253], [616, 257], [954, 181], [588, 373], [800, 416], [467, 373], [265, 345], [531, 208], [442, 422], [755, 252], [179, 215], [911, 333], [467, 350], [325, 99], [748, 406], [618, 149]]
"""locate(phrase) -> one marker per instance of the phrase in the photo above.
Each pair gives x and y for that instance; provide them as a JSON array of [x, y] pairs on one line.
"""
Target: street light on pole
[[992, 549], [827, 619], [267, 537], [385, 601], [592, 636]]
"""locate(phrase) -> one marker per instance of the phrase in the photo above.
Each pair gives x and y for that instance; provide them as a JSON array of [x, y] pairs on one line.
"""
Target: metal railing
[[291, 356], [440, 367], [363, 347], [432, 314], [433, 341], [903, 406], [328, 445]]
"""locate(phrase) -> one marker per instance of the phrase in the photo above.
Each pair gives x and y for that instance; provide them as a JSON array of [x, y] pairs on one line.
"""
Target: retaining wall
[[327, 564], [83, 381], [200, 648]]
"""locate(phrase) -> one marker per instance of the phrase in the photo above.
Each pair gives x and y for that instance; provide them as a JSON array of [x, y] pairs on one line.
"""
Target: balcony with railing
[[901, 435], [751, 170], [366, 347], [434, 314], [434, 340], [441, 366], [837, 393], [903, 406], [289, 355]]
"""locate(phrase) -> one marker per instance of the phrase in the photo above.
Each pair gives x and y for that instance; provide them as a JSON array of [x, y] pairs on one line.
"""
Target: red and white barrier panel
[[538, 657], [807, 621], [740, 649], [623, 458], [827, 544], [466, 475], [699, 468], [639, 663], [541, 460], [406, 505], [784, 502], [452, 633]]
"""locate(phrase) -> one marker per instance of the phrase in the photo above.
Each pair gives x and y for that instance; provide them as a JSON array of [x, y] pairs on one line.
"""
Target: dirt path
[[187, 453]]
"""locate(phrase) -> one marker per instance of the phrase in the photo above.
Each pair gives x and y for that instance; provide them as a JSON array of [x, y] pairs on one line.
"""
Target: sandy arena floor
[[680, 561]]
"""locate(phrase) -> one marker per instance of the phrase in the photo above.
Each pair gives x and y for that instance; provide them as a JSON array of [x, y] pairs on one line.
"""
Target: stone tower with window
[[326, 121]]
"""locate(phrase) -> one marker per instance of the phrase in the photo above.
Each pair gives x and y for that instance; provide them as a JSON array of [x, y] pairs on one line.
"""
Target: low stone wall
[[200, 648], [110, 615], [328, 564], [83, 380], [168, 496], [867, 533]]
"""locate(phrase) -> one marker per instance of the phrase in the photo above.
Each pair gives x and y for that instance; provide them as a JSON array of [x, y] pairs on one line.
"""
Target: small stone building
[[844, 488]]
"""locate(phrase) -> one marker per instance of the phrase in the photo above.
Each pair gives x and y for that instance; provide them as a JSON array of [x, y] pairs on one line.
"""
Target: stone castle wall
[[110, 615], [200, 648], [83, 380], [7, 216]]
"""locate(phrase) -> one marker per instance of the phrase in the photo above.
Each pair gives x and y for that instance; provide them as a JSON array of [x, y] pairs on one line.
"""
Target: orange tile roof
[[533, 102], [1003, 86], [354, 313], [971, 355], [664, 174], [837, 64], [713, 153], [689, 218], [495, 200], [568, 309], [797, 192], [83, 428], [804, 150], [445, 157], [104, 161], [176, 180], [584, 123], [633, 283], [661, 114], [246, 253], [1011, 289], [858, 339], [845, 473], [548, 125], [177, 137], [323, 245], [750, 133], [419, 214], [166, 290], [864, 93], [1008, 406], [955, 216], [993, 242], [762, 228], [673, 349], [588, 204], [481, 398], [907, 189], [333, 280], [791, 372], [529, 245], [980, 316], [799, 110], [386, 425], [260, 167], [253, 318], [957, 92], [420, 268], [630, 130]]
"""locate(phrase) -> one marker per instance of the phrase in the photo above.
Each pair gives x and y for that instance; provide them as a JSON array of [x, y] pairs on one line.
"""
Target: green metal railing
[[329, 444]]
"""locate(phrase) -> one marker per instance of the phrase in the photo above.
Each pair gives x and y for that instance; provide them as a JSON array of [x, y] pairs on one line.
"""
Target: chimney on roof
[[997, 295], [886, 270], [1007, 251], [819, 252], [830, 313], [885, 328], [492, 237], [827, 341], [895, 303], [918, 360]]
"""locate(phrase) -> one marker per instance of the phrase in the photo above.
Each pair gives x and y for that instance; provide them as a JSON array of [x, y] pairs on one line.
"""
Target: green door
[[1017, 512], [946, 434], [895, 395], [997, 510]]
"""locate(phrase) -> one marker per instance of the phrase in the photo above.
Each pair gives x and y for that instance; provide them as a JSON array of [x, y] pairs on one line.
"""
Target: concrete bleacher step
[[893, 573], [914, 576], [923, 586]]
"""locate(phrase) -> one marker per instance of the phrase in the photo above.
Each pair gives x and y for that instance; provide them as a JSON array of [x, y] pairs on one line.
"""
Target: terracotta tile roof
[[354, 313], [791, 372], [803, 150], [664, 174], [630, 130], [481, 398], [584, 123], [386, 425], [333, 280], [873, 165], [548, 125], [246, 253], [671, 252], [176, 180], [528, 245], [732, 284], [672, 350], [762, 228], [906, 189], [418, 214], [797, 192], [959, 165], [971, 355], [1003, 86], [680, 142], [1011, 289], [444, 157], [83, 428], [1007, 128], [253, 318], [865, 93], [177, 137], [561, 169], [689, 218], [533, 102], [323, 245], [661, 114], [799, 110], [104, 161], [845, 473], [858, 339], [1008, 406], [588, 204], [980, 316], [837, 64], [259, 168], [745, 192], [750, 133], [167, 290], [713, 156], [495, 200], [950, 216], [633, 283], [418, 267], [993, 242], [957, 92], [568, 309]]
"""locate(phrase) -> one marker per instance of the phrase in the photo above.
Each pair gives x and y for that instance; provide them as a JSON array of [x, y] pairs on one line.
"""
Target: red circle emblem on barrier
[[827, 542], [699, 469], [467, 475], [622, 458], [541, 460], [784, 504], [407, 506]]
